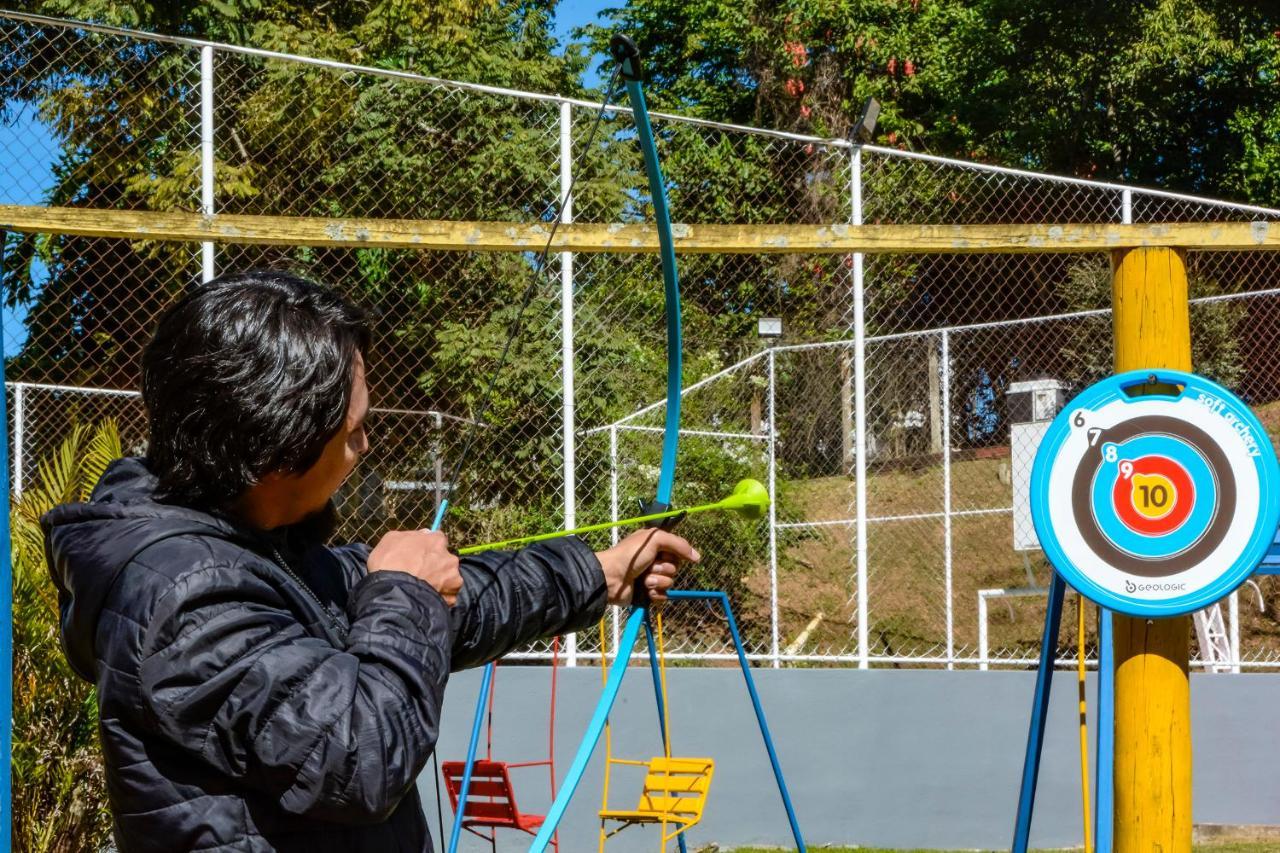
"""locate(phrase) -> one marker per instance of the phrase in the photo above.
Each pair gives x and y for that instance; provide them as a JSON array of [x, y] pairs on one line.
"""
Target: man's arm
[[509, 598], [554, 587], [340, 734]]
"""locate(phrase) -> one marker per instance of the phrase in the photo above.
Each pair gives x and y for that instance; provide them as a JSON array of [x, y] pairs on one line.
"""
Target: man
[[258, 689]]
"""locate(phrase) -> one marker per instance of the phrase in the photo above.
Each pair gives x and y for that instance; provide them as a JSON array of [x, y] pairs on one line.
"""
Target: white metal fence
[[879, 422]]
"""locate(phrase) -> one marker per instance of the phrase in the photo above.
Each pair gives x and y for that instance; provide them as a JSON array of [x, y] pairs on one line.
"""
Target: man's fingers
[[677, 546], [654, 581], [664, 568]]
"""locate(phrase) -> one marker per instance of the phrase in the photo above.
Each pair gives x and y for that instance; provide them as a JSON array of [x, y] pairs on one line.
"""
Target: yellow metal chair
[[674, 795], [675, 789]]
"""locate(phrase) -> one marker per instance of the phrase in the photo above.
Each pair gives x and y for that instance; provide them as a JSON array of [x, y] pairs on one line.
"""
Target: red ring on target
[[1153, 495]]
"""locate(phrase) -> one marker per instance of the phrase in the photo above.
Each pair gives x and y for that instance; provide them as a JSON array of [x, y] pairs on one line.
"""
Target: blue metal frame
[[655, 670], [630, 634], [723, 598]]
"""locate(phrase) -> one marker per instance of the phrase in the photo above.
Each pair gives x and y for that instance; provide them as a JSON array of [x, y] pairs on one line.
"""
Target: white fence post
[[982, 630], [946, 494], [566, 345], [207, 266], [860, 419], [773, 510], [614, 534], [19, 424]]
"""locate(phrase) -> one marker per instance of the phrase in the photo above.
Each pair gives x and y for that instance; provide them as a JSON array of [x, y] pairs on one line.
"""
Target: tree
[[59, 800]]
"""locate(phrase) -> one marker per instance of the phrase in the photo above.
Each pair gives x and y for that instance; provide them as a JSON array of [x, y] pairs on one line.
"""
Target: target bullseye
[[1165, 502], [1153, 494]]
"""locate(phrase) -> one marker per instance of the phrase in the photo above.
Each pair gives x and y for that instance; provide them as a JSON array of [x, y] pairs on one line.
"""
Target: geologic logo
[[1131, 587]]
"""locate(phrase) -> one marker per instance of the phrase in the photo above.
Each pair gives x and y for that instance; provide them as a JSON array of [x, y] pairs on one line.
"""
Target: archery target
[[1155, 505]]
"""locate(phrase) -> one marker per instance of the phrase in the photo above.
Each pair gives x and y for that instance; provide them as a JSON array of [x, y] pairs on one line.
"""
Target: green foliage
[[58, 788], [1216, 327], [1174, 93]]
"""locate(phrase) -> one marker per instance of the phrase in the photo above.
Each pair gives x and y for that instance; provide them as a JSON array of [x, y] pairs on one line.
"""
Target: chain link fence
[[905, 415]]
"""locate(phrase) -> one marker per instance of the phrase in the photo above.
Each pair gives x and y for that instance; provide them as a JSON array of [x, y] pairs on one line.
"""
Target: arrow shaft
[[590, 528]]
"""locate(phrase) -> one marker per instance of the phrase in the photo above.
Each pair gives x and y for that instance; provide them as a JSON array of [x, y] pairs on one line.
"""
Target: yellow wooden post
[[1153, 694]]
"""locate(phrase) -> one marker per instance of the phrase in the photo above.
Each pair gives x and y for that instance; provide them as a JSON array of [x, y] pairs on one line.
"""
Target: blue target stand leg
[[1039, 712], [1105, 725], [1104, 779]]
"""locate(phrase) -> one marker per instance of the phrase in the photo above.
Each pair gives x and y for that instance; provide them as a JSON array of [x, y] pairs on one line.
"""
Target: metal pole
[[946, 495], [207, 270], [566, 346], [19, 436], [6, 624], [982, 632], [614, 533], [773, 510], [860, 420], [756, 705], [1233, 613]]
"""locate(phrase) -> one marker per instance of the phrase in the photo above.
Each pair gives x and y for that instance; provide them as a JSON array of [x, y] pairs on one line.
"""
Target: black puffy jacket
[[265, 693]]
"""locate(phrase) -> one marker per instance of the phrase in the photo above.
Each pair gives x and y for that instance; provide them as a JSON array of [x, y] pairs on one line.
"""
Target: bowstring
[[513, 333]]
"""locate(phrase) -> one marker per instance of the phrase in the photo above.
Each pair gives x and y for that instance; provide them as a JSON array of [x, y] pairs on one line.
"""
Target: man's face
[[314, 487]]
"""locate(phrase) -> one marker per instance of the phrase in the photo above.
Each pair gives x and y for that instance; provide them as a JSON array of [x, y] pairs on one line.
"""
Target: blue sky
[[24, 179], [571, 14], [30, 150]]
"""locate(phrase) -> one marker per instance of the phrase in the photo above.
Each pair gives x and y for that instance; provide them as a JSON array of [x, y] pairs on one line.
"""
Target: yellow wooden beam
[[446, 235], [1152, 328]]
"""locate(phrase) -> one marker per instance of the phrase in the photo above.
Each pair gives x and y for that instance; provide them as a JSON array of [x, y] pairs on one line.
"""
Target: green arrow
[[749, 499]]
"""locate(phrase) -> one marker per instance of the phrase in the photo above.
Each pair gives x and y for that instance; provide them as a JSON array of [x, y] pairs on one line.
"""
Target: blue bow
[[628, 58]]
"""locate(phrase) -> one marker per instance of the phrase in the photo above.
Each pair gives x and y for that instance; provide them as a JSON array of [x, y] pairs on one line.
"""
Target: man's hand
[[654, 551], [423, 554]]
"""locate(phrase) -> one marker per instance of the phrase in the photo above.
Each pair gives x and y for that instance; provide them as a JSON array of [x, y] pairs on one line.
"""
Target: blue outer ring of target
[[1268, 510], [1175, 541]]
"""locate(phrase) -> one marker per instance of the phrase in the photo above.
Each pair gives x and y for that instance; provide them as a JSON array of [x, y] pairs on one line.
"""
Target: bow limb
[[627, 57]]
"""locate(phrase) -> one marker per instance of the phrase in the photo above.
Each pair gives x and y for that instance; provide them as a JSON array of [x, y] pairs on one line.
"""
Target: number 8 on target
[[1155, 504]]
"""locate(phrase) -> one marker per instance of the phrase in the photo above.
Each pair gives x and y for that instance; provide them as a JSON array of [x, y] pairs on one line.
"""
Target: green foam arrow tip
[[749, 498]]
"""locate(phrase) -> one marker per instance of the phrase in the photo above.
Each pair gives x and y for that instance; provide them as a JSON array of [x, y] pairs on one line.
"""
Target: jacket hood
[[88, 544]]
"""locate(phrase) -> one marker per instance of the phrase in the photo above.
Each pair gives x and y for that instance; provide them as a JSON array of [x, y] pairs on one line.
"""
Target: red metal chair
[[491, 802]]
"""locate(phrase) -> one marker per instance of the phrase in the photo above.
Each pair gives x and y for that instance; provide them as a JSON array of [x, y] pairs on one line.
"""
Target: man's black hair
[[248, 374]]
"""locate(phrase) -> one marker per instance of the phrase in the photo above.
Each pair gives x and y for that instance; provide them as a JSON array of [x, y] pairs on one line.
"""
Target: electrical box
[[1031, 407]]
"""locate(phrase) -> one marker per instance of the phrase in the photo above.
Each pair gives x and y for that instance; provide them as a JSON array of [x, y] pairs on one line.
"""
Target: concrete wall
[[909, 758]]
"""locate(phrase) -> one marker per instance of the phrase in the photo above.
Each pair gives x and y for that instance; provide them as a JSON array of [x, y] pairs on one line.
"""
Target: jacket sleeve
[[509, 598], [335, 733]]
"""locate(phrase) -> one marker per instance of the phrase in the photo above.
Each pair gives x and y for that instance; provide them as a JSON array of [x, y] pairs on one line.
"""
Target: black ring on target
[[1224, 511]]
